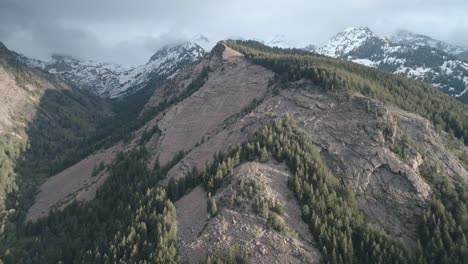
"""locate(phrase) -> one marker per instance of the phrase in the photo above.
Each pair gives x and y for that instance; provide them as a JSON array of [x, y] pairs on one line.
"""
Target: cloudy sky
[[129, 32]]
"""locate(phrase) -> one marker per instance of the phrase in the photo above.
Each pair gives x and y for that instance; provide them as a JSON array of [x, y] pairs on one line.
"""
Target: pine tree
[[263, 155]]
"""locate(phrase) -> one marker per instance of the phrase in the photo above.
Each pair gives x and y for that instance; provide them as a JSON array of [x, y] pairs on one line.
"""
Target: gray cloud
[[130, 31]]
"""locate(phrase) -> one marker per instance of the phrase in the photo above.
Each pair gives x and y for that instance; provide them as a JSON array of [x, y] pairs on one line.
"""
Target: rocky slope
[[239, 225], [225, 99], [113, 80], [414, 56]]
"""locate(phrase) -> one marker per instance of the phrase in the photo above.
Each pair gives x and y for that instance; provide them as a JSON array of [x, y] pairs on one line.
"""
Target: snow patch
[[365, 62]]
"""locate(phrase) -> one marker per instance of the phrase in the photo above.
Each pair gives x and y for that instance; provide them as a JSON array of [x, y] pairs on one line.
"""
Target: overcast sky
[[130, 31]]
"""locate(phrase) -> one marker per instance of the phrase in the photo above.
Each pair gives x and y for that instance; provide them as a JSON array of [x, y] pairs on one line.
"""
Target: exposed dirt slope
[[75, 183], [240, 225], [233, 84]]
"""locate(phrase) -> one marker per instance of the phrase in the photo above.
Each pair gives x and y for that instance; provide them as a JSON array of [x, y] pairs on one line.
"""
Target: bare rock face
[[232, 85], [356, 137], [238, 224], [350, 133]]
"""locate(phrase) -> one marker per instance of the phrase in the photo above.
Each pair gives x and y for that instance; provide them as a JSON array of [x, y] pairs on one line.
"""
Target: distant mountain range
[[413, 55], [416, 56], [114, 80]]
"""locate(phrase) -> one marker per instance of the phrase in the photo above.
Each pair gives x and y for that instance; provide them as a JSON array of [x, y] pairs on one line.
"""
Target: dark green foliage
[[97, 169], [212, 206], [130, 220], [263, 155], [331, 74], [402, 147], [275, 223], [236, 255], [147, 134], [444, 224]]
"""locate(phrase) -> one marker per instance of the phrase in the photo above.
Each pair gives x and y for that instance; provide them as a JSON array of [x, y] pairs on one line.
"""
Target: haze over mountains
[[238, 151], [413, 55]]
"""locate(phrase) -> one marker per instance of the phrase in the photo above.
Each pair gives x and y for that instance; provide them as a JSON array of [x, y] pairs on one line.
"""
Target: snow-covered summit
[[310, 48], [414, 56], [114, 80], [280, 41], [203, 41], [164, 64], [409, 38], [347, 41]]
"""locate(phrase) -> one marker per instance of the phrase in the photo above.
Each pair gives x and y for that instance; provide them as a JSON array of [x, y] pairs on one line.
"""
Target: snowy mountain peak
[[114, 80], [359, 30], [310, 48], [406, 37], [164, 64], [177, 50], [203, 41], [412, 55], [346, 41], [2, 46], [280, 41], [64, 57]]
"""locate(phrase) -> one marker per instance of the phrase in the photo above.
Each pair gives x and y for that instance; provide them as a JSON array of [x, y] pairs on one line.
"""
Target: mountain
[[203, 41], [350, 40], [280, 41], [415, 57], [113, 80], [310, 48], [98, 78], [164, 64], [262, 155], [409, 38]]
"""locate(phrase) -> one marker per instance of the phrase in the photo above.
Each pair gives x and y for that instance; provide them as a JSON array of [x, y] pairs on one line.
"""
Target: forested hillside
[[344, 139], [47, 126], [43, 129]]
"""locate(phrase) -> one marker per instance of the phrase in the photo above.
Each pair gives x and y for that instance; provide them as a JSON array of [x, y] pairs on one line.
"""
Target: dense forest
[[130, 220]]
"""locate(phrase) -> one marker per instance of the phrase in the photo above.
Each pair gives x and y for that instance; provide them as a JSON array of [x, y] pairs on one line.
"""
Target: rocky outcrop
[[240, 225], [232, 86]]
